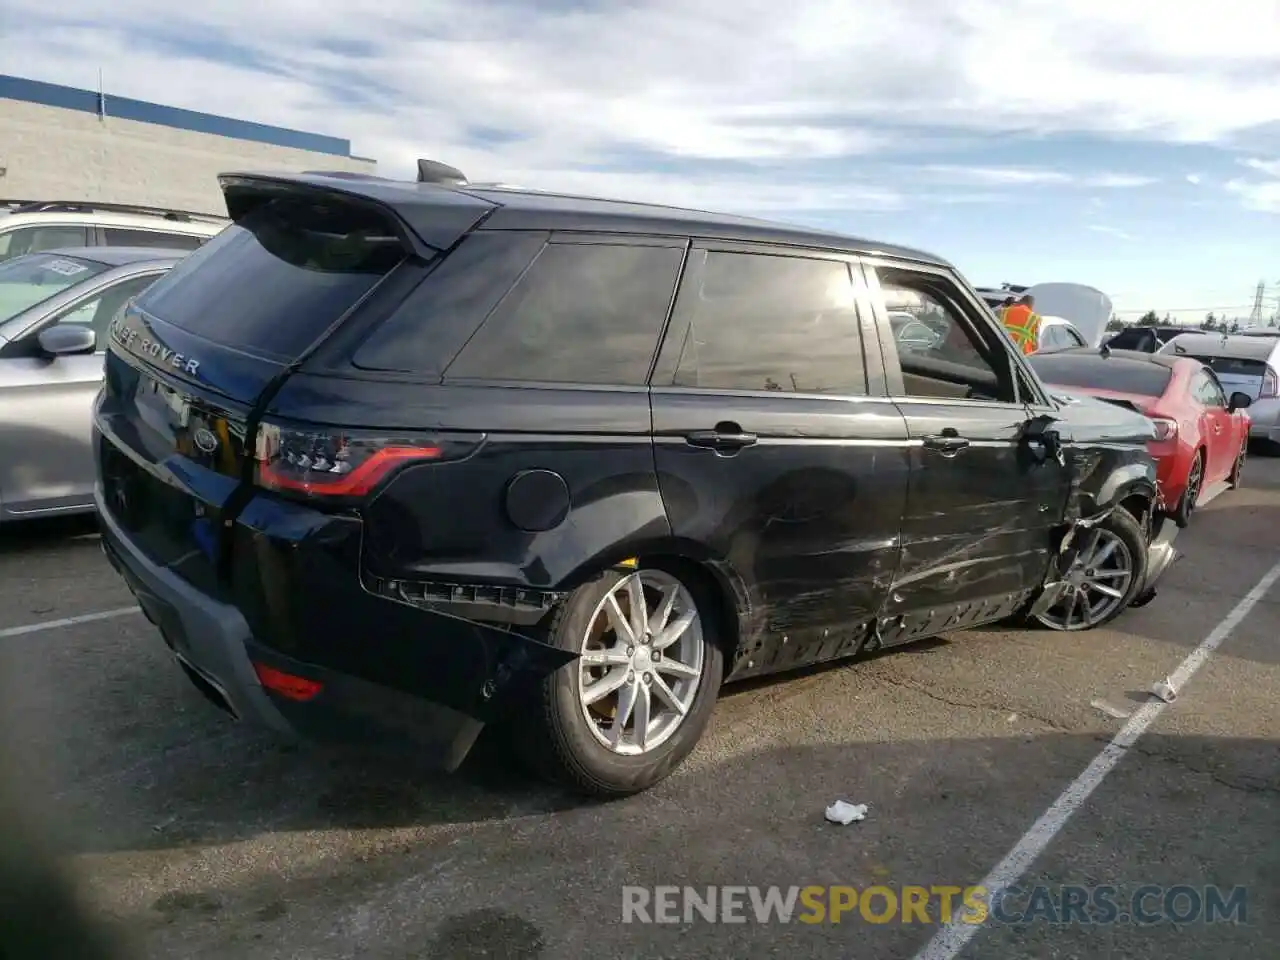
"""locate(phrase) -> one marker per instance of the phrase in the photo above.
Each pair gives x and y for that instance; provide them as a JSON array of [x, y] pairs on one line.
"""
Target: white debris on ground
[[1164, 690], [845, 813]]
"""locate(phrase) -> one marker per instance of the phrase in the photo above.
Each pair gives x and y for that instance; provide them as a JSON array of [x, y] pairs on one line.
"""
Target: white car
[[37, 226], [1249, 363]]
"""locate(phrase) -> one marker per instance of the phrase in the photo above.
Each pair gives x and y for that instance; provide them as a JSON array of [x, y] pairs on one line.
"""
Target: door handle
[[726, 438], [947, 444]]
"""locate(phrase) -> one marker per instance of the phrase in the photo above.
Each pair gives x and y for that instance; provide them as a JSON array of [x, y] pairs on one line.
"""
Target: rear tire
[[1195, 483], [1121, 549], [1238, 469], [578, 744]]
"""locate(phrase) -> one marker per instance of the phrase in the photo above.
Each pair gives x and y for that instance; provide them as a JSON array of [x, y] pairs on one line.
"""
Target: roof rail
[[342, 175], [433, 171], [93, 206]]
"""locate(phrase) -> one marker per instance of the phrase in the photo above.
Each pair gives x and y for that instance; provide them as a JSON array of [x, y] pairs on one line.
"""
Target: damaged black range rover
[[406, 459]]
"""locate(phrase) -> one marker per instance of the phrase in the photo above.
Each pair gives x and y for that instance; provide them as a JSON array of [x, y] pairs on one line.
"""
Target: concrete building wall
[[52, 152]]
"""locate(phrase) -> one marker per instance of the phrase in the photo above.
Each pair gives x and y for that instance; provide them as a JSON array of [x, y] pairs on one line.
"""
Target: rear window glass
[[26, 281], [582, 314], [1231, 366], [273, 282], [1097, 373]]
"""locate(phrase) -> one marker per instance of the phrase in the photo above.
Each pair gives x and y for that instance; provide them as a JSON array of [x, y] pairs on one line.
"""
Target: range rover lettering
[[565, 466]]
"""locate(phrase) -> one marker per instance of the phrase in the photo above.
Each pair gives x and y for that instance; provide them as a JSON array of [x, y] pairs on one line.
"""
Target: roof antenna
[[433, 171]]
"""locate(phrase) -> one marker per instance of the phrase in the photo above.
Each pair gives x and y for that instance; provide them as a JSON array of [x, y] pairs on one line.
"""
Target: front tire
[[630, 709], [1105, 579]]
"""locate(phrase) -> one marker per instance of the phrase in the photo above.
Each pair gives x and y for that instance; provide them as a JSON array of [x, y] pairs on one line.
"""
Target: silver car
[[1244, 362], [54, 310]]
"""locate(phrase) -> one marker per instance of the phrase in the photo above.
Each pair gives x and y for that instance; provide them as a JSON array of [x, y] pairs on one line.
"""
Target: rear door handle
[[725, 438], [946, 444]]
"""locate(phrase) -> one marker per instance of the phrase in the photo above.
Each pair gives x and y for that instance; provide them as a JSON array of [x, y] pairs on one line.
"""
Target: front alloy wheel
[[1104, 578]]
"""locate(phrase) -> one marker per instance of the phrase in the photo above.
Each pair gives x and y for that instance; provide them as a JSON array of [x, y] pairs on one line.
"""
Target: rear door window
[[763, 321], [583, 313], [120, 237], [273, 282]]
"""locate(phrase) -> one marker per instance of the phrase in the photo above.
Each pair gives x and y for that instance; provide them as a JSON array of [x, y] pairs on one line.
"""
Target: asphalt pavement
[[195, 838]]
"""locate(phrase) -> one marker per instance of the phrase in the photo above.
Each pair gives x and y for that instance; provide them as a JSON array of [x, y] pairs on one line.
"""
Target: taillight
[[337, 464], [1166, 429], [1270, 384]]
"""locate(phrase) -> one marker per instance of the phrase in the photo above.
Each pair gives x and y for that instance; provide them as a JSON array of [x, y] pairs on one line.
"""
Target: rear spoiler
[[430, 217], [1126, 404]]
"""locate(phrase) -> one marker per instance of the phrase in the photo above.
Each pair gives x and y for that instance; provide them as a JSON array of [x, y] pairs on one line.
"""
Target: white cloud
[[1110, 231], [1029, 176], [1194, 179], [1259, 195], [586, 94], [1270, 167]]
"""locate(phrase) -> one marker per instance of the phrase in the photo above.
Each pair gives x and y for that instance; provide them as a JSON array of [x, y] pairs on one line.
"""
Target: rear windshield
[[26, 281], [1231, 366], [276, 280], [1098, 373]]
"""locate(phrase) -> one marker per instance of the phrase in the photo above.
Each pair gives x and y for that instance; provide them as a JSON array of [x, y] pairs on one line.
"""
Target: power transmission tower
[[1255, 316]]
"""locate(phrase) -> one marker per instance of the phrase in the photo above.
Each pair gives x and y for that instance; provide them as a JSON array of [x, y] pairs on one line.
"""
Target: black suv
[[408, 459]]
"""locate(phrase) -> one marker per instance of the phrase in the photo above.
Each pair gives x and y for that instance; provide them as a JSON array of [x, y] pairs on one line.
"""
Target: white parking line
[[952, 938], [66, 622]]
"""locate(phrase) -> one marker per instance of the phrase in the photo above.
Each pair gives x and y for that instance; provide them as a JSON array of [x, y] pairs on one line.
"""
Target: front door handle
[[948, 444], [726, 438]]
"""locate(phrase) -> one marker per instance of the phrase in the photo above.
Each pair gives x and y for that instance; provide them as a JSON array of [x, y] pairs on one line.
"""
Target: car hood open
[[1084, 307]]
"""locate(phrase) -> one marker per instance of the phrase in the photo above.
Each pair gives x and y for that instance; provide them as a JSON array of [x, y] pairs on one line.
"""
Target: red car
[[1201, 433]]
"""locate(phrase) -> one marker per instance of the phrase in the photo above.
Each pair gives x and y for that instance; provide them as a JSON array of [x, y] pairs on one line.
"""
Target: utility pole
[[1255, 316]]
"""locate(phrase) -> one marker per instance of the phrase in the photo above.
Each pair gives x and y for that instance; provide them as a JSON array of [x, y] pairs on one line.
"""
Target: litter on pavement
[[1164, 690], [845, 813]]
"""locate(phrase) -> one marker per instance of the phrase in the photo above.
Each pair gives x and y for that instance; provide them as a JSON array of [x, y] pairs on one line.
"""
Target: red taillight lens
[[1270, 384], [332, 464], [286, 684], [1166, 429]]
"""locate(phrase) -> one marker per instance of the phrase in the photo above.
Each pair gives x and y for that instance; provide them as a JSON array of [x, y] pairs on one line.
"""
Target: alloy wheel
[[641, 662], [1098, 582]]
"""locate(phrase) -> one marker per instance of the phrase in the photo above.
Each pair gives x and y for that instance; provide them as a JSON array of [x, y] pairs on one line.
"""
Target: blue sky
[[1128, 144]]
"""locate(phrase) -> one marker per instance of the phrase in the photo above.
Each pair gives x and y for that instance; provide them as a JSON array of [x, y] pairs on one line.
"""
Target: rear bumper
[[214, 644], [1264, 420]]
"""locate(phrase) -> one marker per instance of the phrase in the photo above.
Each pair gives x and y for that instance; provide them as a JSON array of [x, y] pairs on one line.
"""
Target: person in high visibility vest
[[1023, 323]]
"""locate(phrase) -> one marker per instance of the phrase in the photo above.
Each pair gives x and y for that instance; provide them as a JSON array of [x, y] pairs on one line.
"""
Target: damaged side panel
[[978, 532], [291, 577]]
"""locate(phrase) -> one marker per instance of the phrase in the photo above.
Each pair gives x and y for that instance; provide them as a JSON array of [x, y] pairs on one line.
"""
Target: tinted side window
[[118, 237], [750, 321], [966, 361], [582, 313]]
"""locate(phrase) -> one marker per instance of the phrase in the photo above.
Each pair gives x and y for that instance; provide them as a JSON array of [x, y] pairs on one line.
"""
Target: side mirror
[[63, 339], [1238, 401]]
